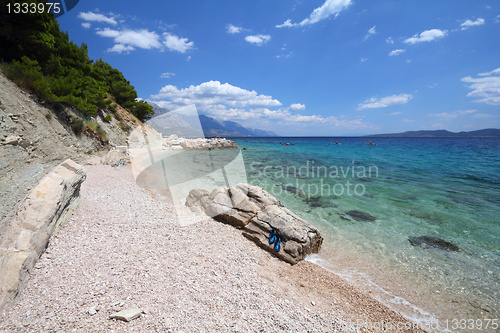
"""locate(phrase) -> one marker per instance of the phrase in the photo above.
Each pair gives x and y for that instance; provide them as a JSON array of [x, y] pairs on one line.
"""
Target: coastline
[[184, 272]]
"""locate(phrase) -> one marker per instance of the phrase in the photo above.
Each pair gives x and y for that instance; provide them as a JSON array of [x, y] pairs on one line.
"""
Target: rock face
[[257, 213], [191, 144], [27, 231], [429, 241]]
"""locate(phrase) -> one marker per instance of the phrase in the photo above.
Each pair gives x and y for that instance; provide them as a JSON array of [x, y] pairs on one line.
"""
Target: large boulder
[[257, 213], [26, 232]]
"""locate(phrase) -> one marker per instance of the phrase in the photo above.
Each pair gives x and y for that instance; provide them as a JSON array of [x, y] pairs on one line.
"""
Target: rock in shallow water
[[428, 241], [257, 212], [361, 216]]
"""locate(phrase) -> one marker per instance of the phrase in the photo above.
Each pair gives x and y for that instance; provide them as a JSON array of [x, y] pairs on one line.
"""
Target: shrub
[[77, 124], [108, 118]]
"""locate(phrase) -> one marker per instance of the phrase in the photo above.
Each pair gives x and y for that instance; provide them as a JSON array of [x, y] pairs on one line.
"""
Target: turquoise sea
[[447, 188]]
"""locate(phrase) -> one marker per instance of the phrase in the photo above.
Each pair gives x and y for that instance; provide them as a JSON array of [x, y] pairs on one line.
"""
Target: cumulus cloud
[[396, 52], [127, 40], [86, 25], [94, 17], [287, 24], [329, 8], [467, 24], [486, 87], [228, 102], [213, 92], [298, 106], [174, 43], [374, 103], [258, 39], [426, 36], [120, 48], [232, 29], [370, 33]]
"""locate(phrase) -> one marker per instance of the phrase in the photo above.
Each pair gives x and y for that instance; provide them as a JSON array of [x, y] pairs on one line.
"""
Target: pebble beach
[[125, 248]]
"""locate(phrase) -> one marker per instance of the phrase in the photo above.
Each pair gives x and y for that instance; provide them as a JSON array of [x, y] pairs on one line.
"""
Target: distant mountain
[[489, 132], [175, 123]]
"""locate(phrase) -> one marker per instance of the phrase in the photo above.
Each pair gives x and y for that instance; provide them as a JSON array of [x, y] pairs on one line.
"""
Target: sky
[[306, 67]]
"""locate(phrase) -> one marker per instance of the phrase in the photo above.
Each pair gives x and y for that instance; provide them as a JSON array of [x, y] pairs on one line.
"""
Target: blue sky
[[308, 67]]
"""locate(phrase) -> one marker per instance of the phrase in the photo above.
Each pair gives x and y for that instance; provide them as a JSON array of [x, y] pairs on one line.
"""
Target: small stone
[[474, 304], [127, 315], [313, 303], [486, 307], [92, 311]]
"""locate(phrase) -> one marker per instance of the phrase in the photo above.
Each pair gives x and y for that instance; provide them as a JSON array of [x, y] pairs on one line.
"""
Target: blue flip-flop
[[272, 237], [277, 245]]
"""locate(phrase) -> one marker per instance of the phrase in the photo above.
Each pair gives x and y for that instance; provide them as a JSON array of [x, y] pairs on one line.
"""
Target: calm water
[[446, 188]]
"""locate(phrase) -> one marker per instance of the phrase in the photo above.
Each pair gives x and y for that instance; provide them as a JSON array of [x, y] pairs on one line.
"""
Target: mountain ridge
[[214, 127]]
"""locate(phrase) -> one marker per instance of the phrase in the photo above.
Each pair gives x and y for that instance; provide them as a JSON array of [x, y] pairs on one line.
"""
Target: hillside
[[34, 139], [163, 119], [489, 132]]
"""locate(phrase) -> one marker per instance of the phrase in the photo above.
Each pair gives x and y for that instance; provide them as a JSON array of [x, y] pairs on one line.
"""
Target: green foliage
[[44, 60], [77, 124], [108, 118]]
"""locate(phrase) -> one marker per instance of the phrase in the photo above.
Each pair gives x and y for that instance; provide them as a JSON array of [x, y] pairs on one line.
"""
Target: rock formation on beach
[[257, 213]]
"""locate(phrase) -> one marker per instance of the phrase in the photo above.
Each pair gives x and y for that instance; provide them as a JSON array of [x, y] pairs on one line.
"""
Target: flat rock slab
[[259, 214], [127, 315], [27, 231]]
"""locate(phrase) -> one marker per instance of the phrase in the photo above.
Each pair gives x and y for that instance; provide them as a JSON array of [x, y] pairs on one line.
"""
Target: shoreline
[[185, 273]]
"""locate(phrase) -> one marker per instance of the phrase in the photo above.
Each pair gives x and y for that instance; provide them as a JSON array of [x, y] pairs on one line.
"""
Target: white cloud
[[287, 24], [227, 102], [390, 40], [232, 29], [167, 75], [485, 116], [329, 8], [371, 32], [497, 19], [143, 39], [120, 48], [394, 114], [467, 24], [451, 115], [486, 87], [94, 17], [215, 93], [174, 43], [86, 25], [396, 52], [426, 36], [364, 59], [298, 106], [127, 40], [258, 39], [374, 103], [108, 33]]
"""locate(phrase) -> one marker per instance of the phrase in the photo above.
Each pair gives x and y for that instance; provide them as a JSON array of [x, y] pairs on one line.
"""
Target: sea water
[[403, 187]]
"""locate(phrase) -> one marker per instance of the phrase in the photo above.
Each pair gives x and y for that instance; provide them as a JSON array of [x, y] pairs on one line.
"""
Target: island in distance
[[489, 132], [163, 118]]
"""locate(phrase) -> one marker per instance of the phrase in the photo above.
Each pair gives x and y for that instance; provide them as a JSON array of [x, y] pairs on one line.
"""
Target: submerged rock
[[428, 241], [257, 213], [293, 189], [361, 216]]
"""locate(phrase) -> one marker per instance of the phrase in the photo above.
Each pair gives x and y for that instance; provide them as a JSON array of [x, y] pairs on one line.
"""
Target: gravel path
[[123, 248]]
